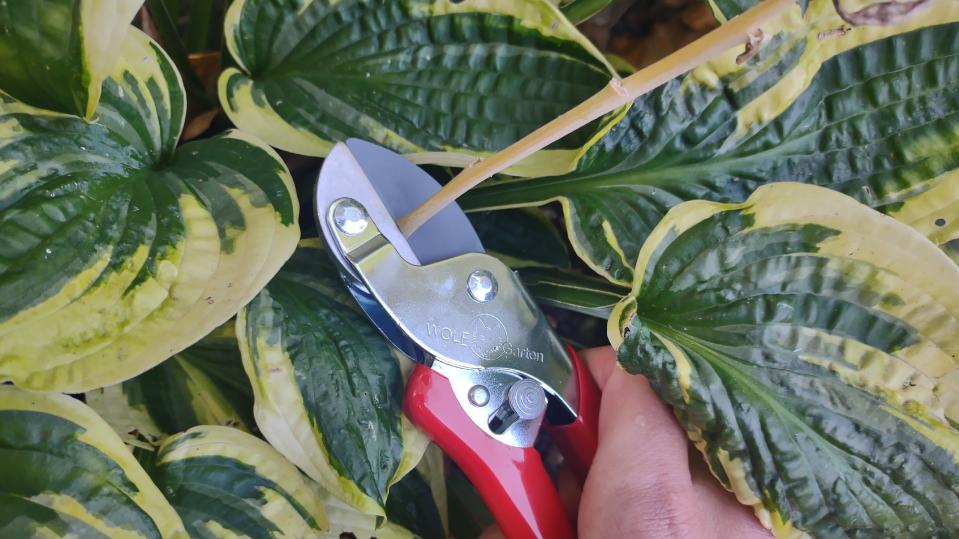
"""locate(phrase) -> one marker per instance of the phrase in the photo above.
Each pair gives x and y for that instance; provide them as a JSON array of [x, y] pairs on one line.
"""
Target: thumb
[[639, 484]]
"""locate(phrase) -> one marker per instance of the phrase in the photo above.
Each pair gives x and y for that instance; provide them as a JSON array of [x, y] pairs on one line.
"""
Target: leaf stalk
[[617, 93]]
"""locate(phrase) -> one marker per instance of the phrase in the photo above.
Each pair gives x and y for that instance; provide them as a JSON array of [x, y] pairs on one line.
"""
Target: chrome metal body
[[419, 293]]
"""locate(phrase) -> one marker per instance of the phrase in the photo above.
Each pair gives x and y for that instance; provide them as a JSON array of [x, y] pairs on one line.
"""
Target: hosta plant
[[771, 237]]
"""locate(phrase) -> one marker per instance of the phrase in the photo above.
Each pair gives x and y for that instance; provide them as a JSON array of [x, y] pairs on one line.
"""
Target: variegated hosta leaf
[[226, 483], [418, 501], [118, 249], [869, 111], [521, 238], [809, 346], [202, 385], [346, 521], [413, 75], [328, 387], [65, 473], [55, 53], [593, 296]]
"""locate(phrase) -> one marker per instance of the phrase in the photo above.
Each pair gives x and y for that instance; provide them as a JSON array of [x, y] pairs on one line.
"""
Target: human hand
[[645, 482]]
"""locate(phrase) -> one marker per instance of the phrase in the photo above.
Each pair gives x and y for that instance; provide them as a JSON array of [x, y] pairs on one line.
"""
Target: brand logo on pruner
[[487, 339]]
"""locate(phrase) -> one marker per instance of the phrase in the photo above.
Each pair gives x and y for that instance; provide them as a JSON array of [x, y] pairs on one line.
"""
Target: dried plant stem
[[614, 95]]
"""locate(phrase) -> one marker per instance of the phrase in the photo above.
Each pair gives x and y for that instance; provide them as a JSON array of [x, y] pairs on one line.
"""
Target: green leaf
[[55, 53], [65, 473], [347, 522], [521, 238], [808, 346], [469, 516], [202, 385], [411, 505], [724, 10], [226, 483], [584, 294], [578, 11], [469, 76], [166, 27], [201, 19], [868, 111], [418, 501], [328, 386], [622, 66], [118, 249]]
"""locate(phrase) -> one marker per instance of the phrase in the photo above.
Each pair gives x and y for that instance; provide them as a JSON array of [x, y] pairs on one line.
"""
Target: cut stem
[[614, 95]]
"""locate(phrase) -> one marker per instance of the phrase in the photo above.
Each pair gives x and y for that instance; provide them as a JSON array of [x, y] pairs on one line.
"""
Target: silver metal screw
[[482, 286], [350, 217], [527, 399], [478, 395]]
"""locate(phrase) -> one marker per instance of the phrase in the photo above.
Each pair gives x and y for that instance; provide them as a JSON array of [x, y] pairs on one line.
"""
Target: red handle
[[511, 480], [577, 440]]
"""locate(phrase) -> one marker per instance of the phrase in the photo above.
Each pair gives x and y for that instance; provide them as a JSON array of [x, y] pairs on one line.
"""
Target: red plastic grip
[[577, 440], [511, 480]]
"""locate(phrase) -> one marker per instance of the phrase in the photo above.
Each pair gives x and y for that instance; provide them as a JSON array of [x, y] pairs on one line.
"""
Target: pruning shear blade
[[439, 298]]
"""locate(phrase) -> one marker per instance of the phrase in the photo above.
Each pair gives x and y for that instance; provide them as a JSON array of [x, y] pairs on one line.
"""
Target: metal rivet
[[482, 286], [478, 395], [350, 217], [527, 399]]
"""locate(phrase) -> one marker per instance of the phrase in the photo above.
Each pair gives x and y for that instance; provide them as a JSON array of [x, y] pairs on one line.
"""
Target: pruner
[[490, 371]]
